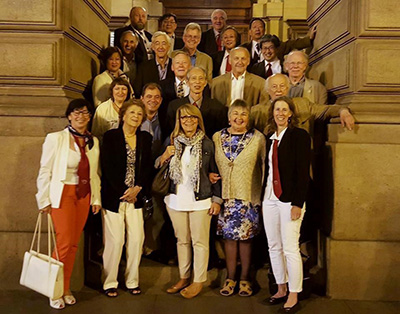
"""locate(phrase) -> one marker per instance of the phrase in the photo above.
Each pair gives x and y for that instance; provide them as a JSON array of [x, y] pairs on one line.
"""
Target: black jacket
[[294, 153], [113, 166], [208, 44], [217, 61], [259, 69], [208, 165], [140, 51], [215, 114]]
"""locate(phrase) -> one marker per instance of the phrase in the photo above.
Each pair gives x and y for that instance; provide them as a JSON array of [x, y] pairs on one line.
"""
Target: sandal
[[245, 288], [69, 299], [57, 304], [229, 288], [135, 291], [111, 293]]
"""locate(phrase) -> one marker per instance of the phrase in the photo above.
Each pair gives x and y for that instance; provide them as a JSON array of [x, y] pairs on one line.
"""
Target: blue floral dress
[[239, 219]]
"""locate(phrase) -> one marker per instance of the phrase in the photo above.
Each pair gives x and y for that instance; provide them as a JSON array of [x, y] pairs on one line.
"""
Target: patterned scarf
[[175, 166], [87, 136]]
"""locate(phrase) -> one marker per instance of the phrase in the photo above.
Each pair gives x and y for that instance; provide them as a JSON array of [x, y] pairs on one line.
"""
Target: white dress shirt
[[237, 87]]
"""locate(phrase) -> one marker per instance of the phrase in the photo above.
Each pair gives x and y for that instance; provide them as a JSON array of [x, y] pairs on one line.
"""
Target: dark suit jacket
[[294, 153], [178, 44], [113, 166], [259, 69], [148, 73], [208, 43], [217, 61], [284, 48], [140, 51], [215, 114]]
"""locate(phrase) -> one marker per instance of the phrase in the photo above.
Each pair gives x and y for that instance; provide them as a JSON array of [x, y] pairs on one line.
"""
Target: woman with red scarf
[[68, 184]]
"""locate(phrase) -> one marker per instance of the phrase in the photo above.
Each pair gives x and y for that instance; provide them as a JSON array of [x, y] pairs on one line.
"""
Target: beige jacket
[[243, 178]]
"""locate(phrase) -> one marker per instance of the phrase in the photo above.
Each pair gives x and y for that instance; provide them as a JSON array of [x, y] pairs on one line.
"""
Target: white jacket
[[53, 170]]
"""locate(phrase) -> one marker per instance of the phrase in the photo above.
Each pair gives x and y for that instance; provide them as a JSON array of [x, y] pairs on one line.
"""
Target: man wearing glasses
[[168, 24]]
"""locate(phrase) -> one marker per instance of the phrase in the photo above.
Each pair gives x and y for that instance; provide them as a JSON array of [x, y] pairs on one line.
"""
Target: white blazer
[[53, 170]]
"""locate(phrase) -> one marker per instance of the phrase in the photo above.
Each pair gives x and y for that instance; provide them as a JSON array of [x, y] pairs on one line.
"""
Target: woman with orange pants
[[68, 183]]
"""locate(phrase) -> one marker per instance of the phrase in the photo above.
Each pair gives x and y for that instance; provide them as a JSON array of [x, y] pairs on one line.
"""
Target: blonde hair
[[191, 110]]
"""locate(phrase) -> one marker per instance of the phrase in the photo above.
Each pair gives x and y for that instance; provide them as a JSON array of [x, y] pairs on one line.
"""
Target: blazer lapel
[[228, 86], [247, 88]]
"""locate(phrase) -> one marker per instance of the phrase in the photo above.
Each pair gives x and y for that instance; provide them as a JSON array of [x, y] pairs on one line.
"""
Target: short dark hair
[[106, 54], [151, 86], [129, 103], [236, 33], [293, 121], [120, 81], [256, 19], [270, 39], [166, 16], [77, 104]]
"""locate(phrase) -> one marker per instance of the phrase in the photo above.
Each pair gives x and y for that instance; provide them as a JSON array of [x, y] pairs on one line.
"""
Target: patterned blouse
[[130, 166]]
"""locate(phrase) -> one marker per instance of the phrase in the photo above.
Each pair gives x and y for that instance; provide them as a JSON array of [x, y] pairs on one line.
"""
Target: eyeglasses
[[278, 87], [190, 37], [77, 113], [292, 64], [186, 118], [270, 48]]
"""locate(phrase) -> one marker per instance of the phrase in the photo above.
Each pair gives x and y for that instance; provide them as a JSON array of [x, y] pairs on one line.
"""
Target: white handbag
[[41, 272]]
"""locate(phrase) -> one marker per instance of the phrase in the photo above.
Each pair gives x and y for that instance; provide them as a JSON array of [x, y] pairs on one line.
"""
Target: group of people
[[234, 132]]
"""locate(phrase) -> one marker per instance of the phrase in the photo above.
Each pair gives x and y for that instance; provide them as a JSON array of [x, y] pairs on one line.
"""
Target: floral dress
[[239, 219]]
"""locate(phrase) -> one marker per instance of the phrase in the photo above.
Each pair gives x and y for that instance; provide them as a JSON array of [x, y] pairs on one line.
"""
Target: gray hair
[[192, 26], [301, 52], [130, 33], [160, 33], [276, 75], [224, 15], [197, 68], [239, 103]]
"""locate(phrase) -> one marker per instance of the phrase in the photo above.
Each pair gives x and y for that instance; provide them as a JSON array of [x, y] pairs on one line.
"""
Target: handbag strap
[[37, 232], [51, 235]]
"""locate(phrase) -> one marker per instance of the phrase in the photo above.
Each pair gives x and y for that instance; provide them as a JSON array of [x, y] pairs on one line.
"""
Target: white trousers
[[192, 228], [283, 241], [129, 219]]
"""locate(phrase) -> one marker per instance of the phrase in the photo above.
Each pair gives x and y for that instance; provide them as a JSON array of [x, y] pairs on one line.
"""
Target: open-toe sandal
[[111, 293], [69, 299], [245, 288], [228, 288], [135, 291], [57, 304]]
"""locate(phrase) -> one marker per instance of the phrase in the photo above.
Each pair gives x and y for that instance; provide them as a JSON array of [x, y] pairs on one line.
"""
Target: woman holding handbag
[[127, 167], [191, 199], [68, 183]]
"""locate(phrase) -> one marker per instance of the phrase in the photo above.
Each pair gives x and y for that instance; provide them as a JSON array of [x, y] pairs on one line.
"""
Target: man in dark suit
[[157, 69], [211, 40], [256, 32], [138, 17], [168, 24], [214, 113], [221, 60]]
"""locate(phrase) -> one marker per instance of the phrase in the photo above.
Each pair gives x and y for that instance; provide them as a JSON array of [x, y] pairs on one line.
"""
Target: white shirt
[[237, 87], [222, 69], [269, 190], [186, 87], [105, 118], [275, 66], [74, 157], [184, 199], [253, 49]]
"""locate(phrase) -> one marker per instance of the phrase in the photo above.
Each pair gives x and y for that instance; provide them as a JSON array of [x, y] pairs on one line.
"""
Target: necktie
[[269, 70], [276, 180], [195, 104], [180, 91], [83, 188], [257, 53], [228, 67], [218, 41]]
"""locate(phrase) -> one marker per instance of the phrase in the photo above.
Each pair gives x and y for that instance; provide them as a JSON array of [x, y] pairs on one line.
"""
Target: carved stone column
[[48, 52], [357, 54]]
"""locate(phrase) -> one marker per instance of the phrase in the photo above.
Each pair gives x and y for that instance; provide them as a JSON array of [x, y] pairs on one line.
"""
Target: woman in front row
[[192, 198], [285, 191], [68, 184], [126, 180]]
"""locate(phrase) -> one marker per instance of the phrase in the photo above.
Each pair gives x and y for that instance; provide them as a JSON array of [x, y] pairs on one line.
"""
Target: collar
[[226, 54], [158, 64], [254, 43], [278, 138], [239, 78], [177, 81], [303, 79], [272, 62], [216, 33], [198, 102]]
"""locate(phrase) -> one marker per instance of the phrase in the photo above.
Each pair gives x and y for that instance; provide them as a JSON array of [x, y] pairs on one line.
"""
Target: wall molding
[[97, 8]]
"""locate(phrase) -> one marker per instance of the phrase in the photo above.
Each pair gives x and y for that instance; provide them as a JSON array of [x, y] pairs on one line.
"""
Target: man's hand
[[312, 32], [347, 119]]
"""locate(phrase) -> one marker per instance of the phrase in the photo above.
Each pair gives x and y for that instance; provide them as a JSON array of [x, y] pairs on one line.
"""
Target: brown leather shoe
[[191, 291], [181, 284]]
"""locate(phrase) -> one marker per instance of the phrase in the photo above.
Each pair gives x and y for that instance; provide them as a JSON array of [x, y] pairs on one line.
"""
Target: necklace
[[240, 144]]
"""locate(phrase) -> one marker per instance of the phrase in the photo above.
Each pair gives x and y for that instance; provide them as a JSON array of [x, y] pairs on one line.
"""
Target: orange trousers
[[69, 221]]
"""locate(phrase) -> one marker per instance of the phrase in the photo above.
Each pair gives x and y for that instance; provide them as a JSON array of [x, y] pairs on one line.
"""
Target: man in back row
[[211, 40]]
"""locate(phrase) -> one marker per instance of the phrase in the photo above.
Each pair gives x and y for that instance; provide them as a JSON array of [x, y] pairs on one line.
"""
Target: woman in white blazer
[[68, 183]]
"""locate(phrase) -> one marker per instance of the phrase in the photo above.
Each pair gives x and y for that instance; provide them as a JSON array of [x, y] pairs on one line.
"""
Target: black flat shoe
[[274, 301], [294, 309]]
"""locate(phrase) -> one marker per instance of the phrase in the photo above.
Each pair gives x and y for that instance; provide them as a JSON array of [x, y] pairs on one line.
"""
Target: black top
[[294, 153], [217, 61], [113, 166], [208, 44], [215, 114]]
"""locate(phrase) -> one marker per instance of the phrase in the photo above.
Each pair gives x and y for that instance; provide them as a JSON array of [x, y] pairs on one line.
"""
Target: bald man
[[239, 84], [278, 85]]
